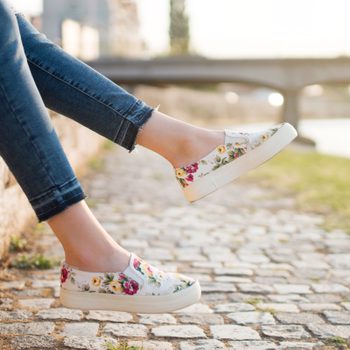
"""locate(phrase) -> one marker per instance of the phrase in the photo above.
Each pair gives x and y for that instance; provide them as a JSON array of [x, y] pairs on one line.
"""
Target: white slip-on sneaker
[[139, 288], [241, 152]]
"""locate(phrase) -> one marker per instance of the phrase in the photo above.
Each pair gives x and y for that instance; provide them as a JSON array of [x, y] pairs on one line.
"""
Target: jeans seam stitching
[[37, 153], [76, 88], [57, 187], [58, 206]]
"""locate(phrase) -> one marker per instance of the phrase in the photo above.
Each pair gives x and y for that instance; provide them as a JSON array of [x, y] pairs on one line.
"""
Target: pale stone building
[[94, 28]]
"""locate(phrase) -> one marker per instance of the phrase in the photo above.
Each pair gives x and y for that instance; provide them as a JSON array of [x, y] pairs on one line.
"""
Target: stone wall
[[79, 143]]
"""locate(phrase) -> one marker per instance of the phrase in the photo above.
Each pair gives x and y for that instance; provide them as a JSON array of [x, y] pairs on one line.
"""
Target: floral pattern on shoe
[[139, 278], [236, 145]]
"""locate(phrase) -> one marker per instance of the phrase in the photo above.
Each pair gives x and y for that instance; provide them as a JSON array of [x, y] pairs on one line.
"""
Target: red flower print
[[122, 277], [130, 287], [136, 263], [191, 168], [64, 274], [189, 177]]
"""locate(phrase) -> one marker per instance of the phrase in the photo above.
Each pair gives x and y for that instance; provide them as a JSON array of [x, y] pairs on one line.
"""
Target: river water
[[332, 136]]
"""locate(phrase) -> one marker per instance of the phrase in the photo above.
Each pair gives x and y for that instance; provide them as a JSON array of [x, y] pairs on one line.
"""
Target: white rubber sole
[[131, 303], [231, 171]]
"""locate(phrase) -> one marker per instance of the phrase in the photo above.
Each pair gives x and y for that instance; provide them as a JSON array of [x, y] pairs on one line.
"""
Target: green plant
[[38, 261], [108, 144], [319, 183], [340, 342], [18, 244], [253, 301], [96, 163], [123, 345]]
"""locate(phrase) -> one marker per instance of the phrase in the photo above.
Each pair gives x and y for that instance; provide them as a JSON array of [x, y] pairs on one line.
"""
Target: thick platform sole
[[231, 171], [131, 303]]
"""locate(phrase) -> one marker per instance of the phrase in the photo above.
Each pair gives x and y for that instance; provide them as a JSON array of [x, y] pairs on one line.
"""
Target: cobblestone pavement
[[271, 277]]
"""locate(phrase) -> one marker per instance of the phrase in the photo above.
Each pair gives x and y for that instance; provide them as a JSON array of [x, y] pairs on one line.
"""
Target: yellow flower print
[[221, 149], [96, 281], [115, 286], [180, 172], [237, 145]]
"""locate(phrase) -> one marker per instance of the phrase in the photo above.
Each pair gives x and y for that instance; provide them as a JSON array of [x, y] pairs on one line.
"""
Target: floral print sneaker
[[240, 152], [139, 288]]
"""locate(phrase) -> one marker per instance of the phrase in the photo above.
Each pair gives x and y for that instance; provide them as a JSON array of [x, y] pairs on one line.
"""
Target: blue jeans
[[34, 74]]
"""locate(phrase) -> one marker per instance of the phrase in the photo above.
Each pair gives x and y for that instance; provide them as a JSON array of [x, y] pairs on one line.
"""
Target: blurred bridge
[[288, 76]]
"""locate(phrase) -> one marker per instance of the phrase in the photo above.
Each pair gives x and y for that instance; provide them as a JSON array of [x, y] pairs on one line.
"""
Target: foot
[[239, 153], [196, 145], [111, 257], [140, 288]]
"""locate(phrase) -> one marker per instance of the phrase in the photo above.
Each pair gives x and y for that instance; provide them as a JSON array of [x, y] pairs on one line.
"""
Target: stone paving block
[[251, 345], [339, 260], [275, 307], [255, 288], [338, 317], [330, 288], [217, 287], [87, 342], [196, 308], [45, 283], [201, 319], [234, 307], [86, 329], [37, 303], [234, 271], [292, 288], [155, 319], [179, 331], [105, 315], [233, 279], [325, 298], [313, 307], [298, 318], [12, 285], [285, 331], [288, 298], [252, 317], [233, 332], [126, 330], [346, 305], [30, 328], [5, 303], [327, 331], [33, 341], [16, 315], [203, 344], [289, 345], [150, 345], [60, 313]]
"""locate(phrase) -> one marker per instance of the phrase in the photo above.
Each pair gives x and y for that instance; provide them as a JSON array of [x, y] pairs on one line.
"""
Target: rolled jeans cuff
[[57, 199], [128, 130]]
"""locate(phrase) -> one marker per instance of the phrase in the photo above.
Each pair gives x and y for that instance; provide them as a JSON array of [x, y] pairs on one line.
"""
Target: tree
[[179, 28]]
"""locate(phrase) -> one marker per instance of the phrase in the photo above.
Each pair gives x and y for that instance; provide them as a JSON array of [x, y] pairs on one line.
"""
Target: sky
[[249, 28]]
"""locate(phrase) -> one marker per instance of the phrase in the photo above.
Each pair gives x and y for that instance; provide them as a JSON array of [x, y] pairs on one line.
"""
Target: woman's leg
[[30, 147], [72, 88]]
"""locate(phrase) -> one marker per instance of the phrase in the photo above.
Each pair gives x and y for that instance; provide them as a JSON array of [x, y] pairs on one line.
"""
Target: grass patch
[[320, 183], [108, 144], [96, 163], [340, 342], [123, 345], [38, 261], [253, 301], [18, 244]]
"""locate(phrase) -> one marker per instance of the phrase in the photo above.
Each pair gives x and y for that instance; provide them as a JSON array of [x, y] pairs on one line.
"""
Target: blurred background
[[265, 61]]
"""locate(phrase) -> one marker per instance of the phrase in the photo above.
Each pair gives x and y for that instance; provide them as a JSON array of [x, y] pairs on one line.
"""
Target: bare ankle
[[195, 146]]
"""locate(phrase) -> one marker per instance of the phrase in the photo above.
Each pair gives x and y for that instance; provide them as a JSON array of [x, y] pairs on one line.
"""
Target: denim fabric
[[34, 74]]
